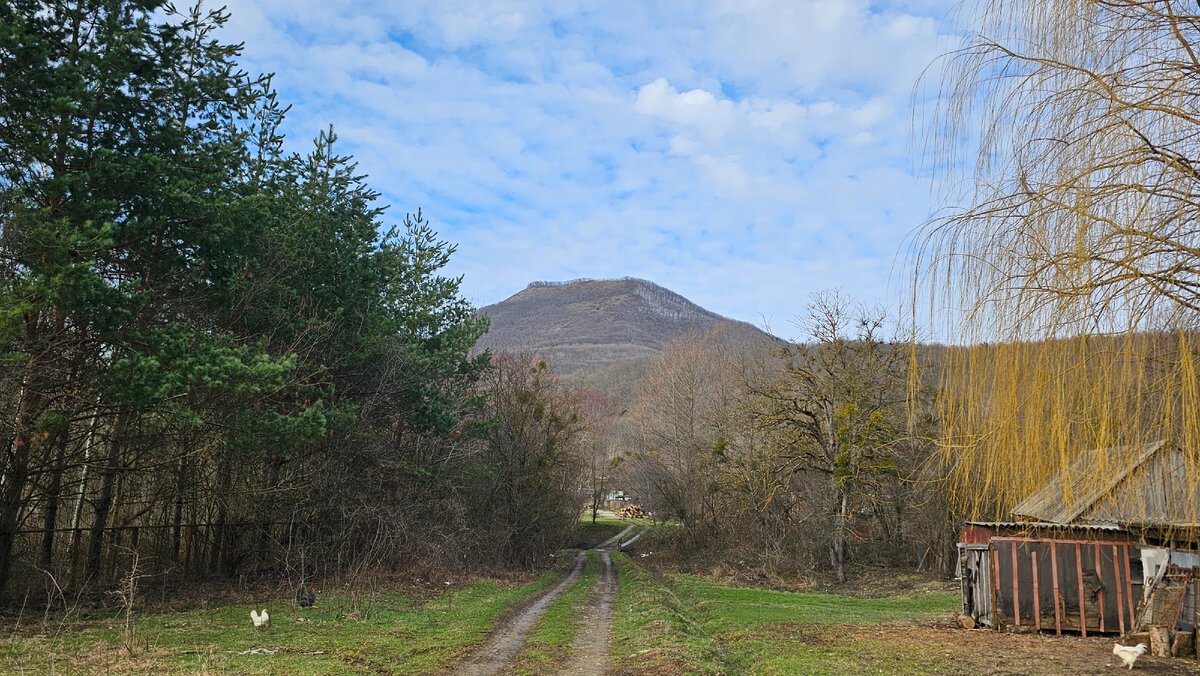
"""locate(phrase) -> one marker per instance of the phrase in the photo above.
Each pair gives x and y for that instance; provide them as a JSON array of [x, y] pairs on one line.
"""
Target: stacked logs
[[631, 512]]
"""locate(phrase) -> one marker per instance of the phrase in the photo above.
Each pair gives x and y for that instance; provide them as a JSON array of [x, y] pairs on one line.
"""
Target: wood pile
[[631, 512], [1182, 645]]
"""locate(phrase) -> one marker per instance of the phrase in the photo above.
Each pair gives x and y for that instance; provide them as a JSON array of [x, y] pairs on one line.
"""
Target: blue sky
[[742, 153]]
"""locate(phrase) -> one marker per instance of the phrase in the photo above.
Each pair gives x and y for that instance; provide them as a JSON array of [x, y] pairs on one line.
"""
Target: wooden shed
[[1088, 561]]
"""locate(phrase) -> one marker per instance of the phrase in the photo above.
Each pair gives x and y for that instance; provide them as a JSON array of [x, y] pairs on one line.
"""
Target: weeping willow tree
[[1067, 264]]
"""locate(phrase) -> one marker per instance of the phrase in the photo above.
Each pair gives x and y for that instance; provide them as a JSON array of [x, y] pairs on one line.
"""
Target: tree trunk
[[177, 515], [50, 513], [597, 492], [77, 516], [267, 510], [840, 535], [220, 536], [29, 411], [841, 494], [10, 502], [104, 501]]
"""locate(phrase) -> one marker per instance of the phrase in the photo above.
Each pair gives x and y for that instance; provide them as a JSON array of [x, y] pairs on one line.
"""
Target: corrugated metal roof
[[1142, 485], [1041, 524]]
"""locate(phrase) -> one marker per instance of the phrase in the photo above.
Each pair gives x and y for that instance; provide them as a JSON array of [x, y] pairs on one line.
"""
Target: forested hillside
[[587, 325]]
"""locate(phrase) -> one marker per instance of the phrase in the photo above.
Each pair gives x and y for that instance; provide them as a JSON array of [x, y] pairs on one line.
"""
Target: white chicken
[[260, 620], [1128, 654]]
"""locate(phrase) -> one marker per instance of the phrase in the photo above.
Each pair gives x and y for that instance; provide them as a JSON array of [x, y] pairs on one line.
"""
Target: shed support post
[[1129, 592], [1079, 579], [1120, 587], [1100, 593], [995, 556], [1057, 597], [1037, 598], [1195, 607], [1016, 591]]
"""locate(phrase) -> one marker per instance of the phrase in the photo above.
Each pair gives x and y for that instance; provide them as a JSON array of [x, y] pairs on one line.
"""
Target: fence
[[167, 551]]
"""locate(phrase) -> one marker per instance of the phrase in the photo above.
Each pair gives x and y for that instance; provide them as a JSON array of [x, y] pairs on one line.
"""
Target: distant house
[[616, 500], [1107, 546]]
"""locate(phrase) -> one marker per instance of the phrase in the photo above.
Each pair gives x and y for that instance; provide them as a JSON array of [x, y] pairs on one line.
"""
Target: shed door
[[977, 584]]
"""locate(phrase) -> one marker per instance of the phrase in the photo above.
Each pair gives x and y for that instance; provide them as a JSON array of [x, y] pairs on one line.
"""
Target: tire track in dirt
[[589, 651], [608, 543], [507, 639]]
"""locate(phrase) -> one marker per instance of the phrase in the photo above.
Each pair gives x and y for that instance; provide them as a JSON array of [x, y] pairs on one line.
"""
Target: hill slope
[[587, 325]]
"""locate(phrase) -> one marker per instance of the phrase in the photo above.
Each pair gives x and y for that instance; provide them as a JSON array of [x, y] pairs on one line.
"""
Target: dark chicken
[[305, 598]]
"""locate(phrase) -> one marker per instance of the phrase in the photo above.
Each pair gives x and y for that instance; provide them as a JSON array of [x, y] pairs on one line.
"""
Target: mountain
[[588, 325]]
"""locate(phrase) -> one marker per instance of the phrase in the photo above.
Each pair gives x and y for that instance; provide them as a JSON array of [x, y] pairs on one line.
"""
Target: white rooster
[[1129, 654], [260, 620]]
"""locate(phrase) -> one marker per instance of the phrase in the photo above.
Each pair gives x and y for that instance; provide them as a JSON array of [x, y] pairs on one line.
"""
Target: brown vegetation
[[801, 458], [587, 325]]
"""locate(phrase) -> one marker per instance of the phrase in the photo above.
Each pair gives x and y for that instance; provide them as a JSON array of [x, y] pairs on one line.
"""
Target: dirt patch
[[949, 650]]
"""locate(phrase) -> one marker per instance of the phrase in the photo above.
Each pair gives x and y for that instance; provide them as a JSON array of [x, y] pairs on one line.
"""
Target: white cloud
[[741, 153]]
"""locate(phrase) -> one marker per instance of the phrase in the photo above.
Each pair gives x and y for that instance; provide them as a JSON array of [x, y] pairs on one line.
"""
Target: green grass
[[729, 607], [695, 625], [663, 624], [656, 630], [608, 519], [397, 634], [550, 642]]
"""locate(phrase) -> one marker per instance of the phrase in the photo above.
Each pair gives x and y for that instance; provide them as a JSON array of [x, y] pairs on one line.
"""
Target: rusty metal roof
[[1150, 484], [1041, 524]]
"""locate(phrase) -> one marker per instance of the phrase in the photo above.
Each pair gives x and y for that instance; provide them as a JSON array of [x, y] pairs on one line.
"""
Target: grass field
[[672, 624], [686, 624], [668, 624], [392, 633]]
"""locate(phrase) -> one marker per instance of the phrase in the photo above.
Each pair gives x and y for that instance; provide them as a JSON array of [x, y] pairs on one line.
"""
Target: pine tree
[[120, 151]]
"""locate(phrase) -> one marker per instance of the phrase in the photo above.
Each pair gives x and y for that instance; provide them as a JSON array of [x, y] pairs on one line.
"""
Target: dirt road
[[506, 641], [590, 649], [589, 652]]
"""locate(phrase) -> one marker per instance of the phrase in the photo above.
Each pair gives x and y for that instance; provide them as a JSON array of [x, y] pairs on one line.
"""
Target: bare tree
[[678, 422], [530, 502], [1082, 211], [596, 447], [839, 410]]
